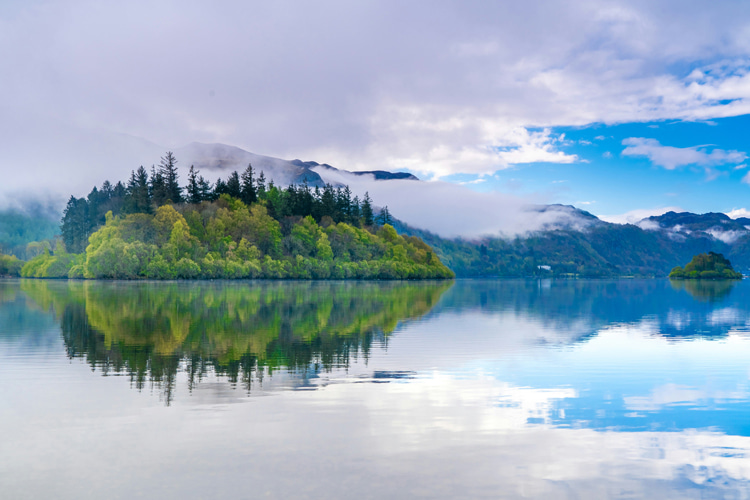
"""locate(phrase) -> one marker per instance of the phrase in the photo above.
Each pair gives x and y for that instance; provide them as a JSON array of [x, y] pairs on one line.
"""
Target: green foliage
[[709, 265], [226, 239], [10, 265]]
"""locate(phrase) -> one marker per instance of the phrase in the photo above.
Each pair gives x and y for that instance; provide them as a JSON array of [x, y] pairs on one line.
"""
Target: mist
[[452, 210]]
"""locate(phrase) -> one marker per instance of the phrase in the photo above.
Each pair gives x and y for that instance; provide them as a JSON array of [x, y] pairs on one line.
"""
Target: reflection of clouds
[[726, 316], [679, 320], [673, 394], [424, 418]]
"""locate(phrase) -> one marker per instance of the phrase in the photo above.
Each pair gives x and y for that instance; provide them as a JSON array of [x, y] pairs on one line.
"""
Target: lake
[[467, 389]]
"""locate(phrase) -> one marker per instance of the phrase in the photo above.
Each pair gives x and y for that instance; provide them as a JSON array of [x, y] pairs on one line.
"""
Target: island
[[153, 228], [707, 266]]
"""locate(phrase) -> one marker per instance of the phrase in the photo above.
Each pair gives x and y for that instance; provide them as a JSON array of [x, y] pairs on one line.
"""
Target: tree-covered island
[[706, 266], [153, 228]]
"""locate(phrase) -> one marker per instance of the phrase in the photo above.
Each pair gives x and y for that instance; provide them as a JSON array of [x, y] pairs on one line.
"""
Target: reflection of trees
[[239, 330], [578, 309], [705, 290]]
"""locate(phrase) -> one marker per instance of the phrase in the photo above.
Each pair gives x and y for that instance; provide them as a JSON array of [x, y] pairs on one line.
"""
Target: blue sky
[[522, 100], [610, 178]]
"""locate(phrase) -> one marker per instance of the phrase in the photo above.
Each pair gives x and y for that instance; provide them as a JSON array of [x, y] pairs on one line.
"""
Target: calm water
[[472, 389]]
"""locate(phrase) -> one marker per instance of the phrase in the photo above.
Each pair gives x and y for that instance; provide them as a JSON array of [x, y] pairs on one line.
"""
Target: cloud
[[635, 216], [738, 212], [437, 88], [453, 210], [671, 157], [746, 178]]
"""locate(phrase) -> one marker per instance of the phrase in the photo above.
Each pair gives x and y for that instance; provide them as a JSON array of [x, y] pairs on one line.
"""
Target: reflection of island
[[705, 290], [240, 330]]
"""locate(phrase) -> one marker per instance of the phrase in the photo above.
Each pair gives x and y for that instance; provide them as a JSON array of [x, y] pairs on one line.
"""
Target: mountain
[[379, 175], [588, 246], [685, 224], [221, 158]]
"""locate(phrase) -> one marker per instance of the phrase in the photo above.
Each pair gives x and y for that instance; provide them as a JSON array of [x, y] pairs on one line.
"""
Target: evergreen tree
[[367, 215], [138, 197], [194, 194], [354, 212], [261, 186], [158, 188], [168, 170], [75, 227], [219, 188], [234, 187], [204, 187], [385, 216], [248, 192]]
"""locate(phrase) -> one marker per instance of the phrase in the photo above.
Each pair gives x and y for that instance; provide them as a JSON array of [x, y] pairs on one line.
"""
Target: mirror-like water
[[501, 389]]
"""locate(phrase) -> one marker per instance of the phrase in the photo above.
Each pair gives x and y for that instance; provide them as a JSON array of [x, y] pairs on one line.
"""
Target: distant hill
[[222, 158], [587, 246]]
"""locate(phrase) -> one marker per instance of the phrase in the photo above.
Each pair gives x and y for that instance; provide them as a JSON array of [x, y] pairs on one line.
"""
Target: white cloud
[[738, 212], [635, 216], [671, 157], [376, 85], [468, 213], [746, 178]]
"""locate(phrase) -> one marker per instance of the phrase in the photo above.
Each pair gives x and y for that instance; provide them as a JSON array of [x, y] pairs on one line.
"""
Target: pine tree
[[367, 214], [168, 170], [248, 192], [75, 227], [234, 188], [157, 188], [261, 186], [204, 187], [193, 187], [385, 216]]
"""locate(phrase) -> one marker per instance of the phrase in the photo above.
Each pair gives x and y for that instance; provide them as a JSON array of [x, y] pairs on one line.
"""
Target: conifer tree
[[367, 214], [385, 216], [194, 194], [234, 187], [168, 170], [248, 192], [157, 188], [75, 227], [261, 186]]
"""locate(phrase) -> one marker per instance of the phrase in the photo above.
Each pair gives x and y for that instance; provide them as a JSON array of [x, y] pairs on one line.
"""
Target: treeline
[[144, 194], [241, 228]]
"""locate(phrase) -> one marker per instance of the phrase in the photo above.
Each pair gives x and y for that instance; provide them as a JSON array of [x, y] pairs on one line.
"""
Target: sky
[[621, 108]]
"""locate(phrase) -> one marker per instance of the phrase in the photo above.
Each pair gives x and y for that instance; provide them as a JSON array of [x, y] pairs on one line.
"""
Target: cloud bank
[[436, 87]]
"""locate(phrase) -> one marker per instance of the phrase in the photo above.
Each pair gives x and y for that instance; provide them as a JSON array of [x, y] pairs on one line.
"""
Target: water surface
[[472, 389]]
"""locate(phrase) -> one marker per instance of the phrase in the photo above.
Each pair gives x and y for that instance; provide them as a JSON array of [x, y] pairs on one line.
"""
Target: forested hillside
[[238, 228], [601, 250]]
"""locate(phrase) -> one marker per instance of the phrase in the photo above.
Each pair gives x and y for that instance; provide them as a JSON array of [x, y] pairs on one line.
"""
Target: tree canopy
[[706, 266], [241, 228]]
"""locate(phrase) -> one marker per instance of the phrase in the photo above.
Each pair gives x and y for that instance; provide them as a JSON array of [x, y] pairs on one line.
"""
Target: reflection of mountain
[[242, 330], [572, 310]]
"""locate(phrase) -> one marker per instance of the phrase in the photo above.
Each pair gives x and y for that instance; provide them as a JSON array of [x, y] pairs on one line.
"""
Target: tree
[[168, 170], [75, 227], [234, 188], [137, 196], [158, 188], [385, 216], [194, 194], [367, 214], [248, 193], [261, 185]]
